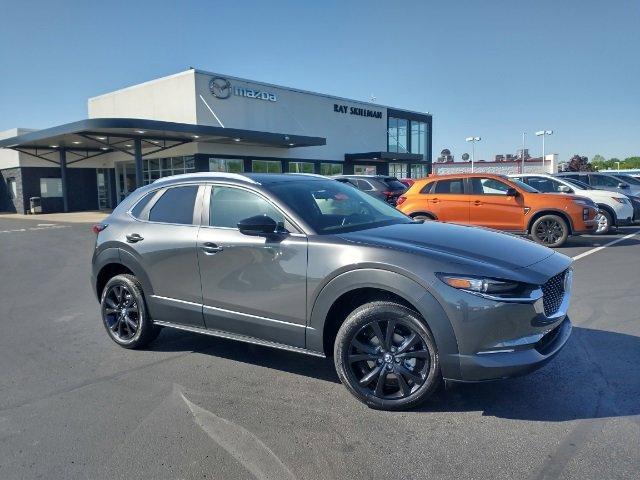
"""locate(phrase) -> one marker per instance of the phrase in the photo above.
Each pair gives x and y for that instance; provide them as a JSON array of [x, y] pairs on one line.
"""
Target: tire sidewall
[[379, 311], [560, 221], [134, 288]]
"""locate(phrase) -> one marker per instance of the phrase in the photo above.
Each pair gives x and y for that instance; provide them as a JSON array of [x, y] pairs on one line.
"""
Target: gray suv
[[383, 187], [311, 265]]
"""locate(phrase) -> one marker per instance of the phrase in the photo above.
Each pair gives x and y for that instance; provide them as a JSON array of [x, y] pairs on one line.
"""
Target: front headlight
[[585, 202], [622, 200], [479, 285]]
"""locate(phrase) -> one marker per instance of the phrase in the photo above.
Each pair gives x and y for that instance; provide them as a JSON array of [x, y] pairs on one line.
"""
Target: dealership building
[[197, 121]]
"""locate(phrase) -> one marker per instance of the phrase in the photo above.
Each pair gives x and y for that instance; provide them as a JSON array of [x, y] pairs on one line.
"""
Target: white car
[[615, 208]]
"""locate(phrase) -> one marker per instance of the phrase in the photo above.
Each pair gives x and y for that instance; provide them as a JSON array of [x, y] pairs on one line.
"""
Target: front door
[[490, 206], [251, 285]]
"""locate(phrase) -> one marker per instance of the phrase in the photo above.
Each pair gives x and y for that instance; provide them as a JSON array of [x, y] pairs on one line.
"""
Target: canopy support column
[[138, 161], [63, 179]]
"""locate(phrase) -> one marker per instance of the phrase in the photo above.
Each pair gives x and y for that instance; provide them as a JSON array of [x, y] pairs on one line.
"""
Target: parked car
[[498, 202], [615, 209], [384, 187], [607, 181], [311, 265], [407, 182]]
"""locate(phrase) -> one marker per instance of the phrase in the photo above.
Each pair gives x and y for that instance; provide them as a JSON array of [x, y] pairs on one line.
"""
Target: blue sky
[[492, 68]]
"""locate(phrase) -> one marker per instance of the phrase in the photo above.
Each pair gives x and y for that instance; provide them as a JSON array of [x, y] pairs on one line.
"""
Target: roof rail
[[206, 175]]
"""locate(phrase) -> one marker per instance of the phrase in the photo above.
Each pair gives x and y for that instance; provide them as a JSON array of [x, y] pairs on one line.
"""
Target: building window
[[398, 170], [229, 165], [155, 168], [418, 137], [12, 187], [329, 169], [397, 135], [419, 171], [50, 187], [266, 166], [301, 167], [365, 169]]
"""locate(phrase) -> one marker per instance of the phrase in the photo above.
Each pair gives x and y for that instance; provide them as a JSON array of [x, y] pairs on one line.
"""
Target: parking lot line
[[597, 249]]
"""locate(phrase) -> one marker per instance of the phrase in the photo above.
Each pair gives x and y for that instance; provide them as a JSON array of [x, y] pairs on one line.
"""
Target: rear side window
[[450, 186], [604, 181], [428, 187], [175, 206], [364, 185], [137, 210]]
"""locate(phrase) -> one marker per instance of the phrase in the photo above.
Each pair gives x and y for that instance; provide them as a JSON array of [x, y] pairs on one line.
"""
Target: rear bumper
[[493, 366]]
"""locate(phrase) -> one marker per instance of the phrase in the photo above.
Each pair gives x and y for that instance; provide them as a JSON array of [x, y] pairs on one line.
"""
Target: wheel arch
[[424, 212], [610, 211], [559, 213], [356, 287], [114, 261]]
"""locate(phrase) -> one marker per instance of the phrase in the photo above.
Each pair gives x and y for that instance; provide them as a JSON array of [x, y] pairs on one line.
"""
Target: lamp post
[[524, 138], [473, 141], [543, 133], [617, 165]]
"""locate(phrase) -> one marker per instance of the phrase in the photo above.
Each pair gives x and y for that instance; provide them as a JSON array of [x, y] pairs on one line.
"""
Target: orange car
[[501, 203]]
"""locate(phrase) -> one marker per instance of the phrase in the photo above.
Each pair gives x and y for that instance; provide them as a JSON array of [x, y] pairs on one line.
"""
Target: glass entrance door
[[125, 179], [102, 177]]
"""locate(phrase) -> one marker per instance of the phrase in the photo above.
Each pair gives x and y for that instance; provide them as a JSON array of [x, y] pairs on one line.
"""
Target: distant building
[[502, 165]]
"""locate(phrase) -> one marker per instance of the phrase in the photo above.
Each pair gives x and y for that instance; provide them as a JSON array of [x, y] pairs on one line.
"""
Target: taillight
[[98, 227], [400, 200], [388, 194]]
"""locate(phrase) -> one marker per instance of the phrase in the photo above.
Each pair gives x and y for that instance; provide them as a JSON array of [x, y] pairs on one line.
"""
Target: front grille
[[553, 293]]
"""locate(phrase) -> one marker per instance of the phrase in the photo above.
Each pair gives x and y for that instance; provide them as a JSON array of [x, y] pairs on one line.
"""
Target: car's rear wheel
[[550, 230], [386, 356], [124, 313]]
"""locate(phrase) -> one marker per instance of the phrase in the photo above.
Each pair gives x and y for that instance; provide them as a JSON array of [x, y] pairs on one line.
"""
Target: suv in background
[[384, 187], [611, 182], [498, 202], [615, 208]]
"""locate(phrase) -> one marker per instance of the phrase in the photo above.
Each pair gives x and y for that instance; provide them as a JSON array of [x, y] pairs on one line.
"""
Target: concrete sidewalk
[[73, 217]]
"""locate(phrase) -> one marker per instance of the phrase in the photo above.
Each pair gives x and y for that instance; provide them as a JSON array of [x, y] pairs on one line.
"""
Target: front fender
[[420, 298]]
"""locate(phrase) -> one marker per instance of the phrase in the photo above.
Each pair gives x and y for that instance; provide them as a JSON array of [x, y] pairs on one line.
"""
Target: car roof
[[253, 178]]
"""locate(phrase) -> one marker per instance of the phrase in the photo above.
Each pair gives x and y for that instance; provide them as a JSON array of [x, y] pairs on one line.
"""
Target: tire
[[422, 217], [550, 231], [124, 313], [605, 223], [400, 382]]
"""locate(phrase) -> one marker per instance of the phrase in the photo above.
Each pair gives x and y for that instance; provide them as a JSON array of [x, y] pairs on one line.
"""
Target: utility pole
[[524, 136], [473, 141]]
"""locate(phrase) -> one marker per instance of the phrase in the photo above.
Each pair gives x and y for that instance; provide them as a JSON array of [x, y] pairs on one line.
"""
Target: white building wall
[[499, 168], [171, 99], [11, 158]]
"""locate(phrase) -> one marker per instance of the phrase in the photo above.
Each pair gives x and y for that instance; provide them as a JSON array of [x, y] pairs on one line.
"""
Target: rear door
[[251, 285], [449, 202], [490, 206], [163, 242]]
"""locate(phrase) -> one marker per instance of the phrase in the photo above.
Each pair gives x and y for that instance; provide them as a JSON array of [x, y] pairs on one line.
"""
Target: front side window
[[329, 169], [335, 207], [227, 165], [266, 166], [301, 167], [229, 205], [488, 186], [175, 206], [454, 187], [545, 185]]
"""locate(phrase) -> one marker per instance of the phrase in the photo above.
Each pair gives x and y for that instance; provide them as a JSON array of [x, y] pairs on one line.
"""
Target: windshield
[[628, 179], [335, 207], [524, 186], [578, 183]]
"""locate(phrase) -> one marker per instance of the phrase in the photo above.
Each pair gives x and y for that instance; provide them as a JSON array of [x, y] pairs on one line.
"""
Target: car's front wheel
[[550, 230], [124, 313], [386, 356], [604, 223]]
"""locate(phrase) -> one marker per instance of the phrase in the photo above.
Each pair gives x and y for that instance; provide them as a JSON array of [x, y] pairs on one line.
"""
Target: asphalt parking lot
[[75, 405]]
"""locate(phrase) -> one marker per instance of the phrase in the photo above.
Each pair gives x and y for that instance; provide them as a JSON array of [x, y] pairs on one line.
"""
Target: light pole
[[524, 136], [543, 133], [617, 165], [473, 141]]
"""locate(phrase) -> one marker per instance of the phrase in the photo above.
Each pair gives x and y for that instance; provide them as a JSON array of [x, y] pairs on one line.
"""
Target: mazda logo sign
[[220, 87]]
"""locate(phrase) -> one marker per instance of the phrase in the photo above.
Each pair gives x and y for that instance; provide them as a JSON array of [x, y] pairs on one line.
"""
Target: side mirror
[[565, 189], [623, 185], [258, 225], [512, 192]]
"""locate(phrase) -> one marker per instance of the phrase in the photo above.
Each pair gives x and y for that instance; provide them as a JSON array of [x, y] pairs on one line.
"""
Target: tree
[[599, 162], [580, 164], [631, 162]]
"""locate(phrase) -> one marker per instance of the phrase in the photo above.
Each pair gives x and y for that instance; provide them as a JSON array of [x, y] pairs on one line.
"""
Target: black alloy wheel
[[386, 356], [124, 313], [550, 230]]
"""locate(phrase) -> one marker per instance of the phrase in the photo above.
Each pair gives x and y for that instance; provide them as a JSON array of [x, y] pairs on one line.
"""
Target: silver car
[[311, 265]]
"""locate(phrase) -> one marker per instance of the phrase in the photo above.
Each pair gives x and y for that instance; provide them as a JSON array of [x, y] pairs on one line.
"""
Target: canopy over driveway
[[77, 141]]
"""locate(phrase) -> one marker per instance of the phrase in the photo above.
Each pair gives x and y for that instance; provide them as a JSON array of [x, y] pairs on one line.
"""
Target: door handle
[[134, 237], [477, 202], [210, 248], [435, 200]]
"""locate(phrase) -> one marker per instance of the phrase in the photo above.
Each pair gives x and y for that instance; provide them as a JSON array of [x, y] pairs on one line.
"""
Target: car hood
[[464, 242]]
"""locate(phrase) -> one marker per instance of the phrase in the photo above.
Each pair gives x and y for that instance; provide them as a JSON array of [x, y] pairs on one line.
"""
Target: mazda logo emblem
[[220, 87]]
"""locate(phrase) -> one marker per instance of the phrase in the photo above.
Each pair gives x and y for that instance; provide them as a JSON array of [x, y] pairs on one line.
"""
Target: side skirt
[[240, 338]]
